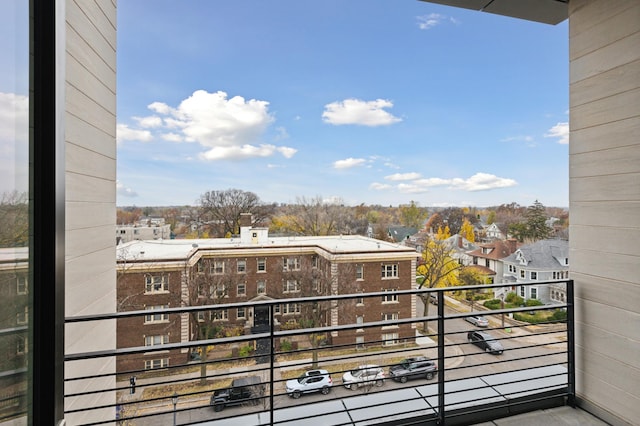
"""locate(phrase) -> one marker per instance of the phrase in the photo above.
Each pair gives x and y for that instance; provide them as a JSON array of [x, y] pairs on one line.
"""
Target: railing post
[[272, 358], [441, 402], [571, 342]]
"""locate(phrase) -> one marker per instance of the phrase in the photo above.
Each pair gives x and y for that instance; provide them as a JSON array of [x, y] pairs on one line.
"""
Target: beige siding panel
[[589, 337], [610, 135], [608, 367], [618, 80], [82, 242], [605, 188], [84, 215], [599, 214], [619, 404], [613, 108], [79, 132], [622, 52], [82, 52], [617, 294], [587, 15], [616, 27], [607, 162], [94, 11], [90, 163], [609, 240], [86, 109], [78, 22], [84, 189], [88, 84]]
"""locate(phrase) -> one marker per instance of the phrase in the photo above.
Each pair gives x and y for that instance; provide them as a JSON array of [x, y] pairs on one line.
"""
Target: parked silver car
[[310, 381], [364, 374], [478, 321]]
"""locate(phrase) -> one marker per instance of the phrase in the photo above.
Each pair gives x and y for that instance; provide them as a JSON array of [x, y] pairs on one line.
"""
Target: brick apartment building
[[253, 267]]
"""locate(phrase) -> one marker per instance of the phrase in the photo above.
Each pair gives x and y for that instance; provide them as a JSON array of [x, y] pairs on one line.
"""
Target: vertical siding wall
[[605, 203], [90, 123]]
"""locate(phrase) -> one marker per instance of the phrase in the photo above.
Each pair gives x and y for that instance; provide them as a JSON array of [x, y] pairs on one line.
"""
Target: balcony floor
[[559, 416]]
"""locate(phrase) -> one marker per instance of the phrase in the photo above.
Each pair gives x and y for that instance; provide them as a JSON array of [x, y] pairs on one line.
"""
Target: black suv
[[413, 368], [485, 341], [245, 390]]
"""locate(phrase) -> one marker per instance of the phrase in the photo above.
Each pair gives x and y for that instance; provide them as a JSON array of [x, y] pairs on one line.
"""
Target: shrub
[[514, 299], [285, 346], [492, 304], [534, 302], [245, 351], [559, 315]]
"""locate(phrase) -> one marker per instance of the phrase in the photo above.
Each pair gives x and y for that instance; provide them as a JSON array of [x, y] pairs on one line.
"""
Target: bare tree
[[14, 219], [316, 216], [224, 208]]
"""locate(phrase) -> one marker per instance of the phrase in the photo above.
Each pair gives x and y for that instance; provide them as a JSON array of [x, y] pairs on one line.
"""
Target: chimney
[[245, 219], [512, 243]]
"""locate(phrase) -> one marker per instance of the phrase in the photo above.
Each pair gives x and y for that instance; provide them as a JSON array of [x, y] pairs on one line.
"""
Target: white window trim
[[149, 282], [150, 317], [390, 271]]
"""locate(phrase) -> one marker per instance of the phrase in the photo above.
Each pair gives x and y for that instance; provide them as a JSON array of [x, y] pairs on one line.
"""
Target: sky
[[373, 102]]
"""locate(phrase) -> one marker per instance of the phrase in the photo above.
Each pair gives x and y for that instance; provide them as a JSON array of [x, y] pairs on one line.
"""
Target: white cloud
[[426, 22], [355, 111], [477, 182], [14, 142], [403, 176], [559, 131], [349, 163], [125, 191], [380, 186], [125, 133], [226, 128], [150, 121]]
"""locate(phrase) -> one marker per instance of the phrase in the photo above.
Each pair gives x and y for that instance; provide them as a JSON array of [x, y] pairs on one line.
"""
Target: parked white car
[[311, 381], [364, 374]]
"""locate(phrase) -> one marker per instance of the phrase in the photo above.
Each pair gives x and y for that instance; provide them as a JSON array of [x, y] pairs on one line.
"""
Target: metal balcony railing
[[536, 368]]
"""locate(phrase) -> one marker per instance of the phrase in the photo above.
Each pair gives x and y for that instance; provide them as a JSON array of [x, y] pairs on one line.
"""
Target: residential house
[[544, 260], [490, 255]]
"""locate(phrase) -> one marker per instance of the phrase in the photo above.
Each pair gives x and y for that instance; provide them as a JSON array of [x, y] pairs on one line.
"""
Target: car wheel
[[218, 407], [379, 383], [296, 394], [348, 386], [325, 390], [403, 379], [429, 375], [486, 349]]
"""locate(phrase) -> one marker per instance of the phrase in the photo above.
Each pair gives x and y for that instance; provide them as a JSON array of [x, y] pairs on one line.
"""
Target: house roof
[[401, 233], [542, 255], [499, 249]]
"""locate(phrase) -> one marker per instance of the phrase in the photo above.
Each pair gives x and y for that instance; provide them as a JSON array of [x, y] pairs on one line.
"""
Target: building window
[[487, 262], [150, 318], [390, 271], [359, 322], [390, 316], [22, 317], [242, 266], [360, 299], [390, 298], [390, 339], [359, 342], [201, 316], [360, 272], [522, 273], [242, 289], [314, 261], [533, 292], [156, 283], [151, 364], [21, 284], [21, 345], [534, 275], [241, 313], [262, 264], [220, 315], [291, 264], [276, 309], [262, 287], [522, 291], [291, 286], [220, 290], [217, 267], [162, 339], [290, 308], [200, 267]]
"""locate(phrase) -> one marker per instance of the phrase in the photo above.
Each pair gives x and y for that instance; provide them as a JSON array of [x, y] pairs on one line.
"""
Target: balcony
[[535, 371]]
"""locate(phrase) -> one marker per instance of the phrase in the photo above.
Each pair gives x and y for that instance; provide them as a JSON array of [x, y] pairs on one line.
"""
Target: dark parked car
[[245, 390], [414, 368], [485, 341]]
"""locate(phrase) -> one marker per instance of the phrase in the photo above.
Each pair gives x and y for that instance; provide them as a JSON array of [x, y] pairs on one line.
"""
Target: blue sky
[[373, 102]]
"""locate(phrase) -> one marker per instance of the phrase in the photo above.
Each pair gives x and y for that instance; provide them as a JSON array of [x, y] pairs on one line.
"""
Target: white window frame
[[359, 272], [291, 264], [151, 318], [220, 315], [261, 284], [314, 261], [156, 340], [261, 265], [21, 345], [152, 364], [360, 299], [241, 266], [390, 316], [359, 342], [390, 339], [291, 286], [290, 308], [201, 316], [360, 321], [522, 291], [22, 317], [153, 285], [389, 271], [533, 275], [22, 284], [241, 313], [533, 292], [241, 289], [390, 298], [217, 267], [523, 273]]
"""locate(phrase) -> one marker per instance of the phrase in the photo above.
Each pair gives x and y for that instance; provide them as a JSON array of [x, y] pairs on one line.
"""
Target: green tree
[[536, 217], [412, 215]]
